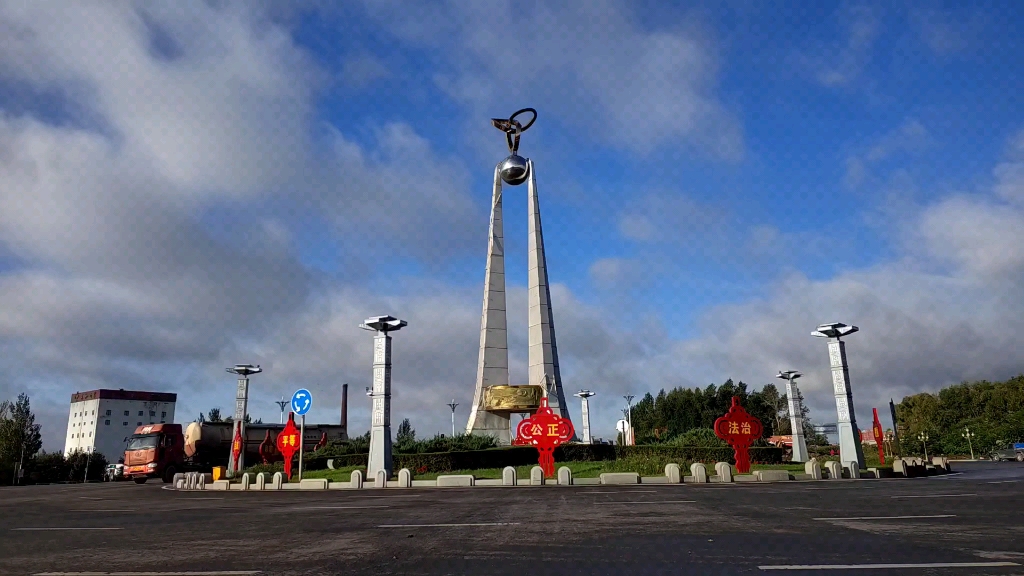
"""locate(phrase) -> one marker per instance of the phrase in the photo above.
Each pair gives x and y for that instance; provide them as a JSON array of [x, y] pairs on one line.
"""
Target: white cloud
[[842, 62]]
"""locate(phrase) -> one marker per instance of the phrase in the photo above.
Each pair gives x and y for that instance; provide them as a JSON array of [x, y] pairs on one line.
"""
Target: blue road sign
[[302, 401]]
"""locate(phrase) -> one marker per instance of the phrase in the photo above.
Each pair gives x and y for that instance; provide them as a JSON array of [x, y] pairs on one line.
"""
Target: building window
[[106, 422], [90, 434], [108, 412], [163, 414], [124, 423], [152, 413], [162, 422], [93, 413], [125, 413], [140, 413], [139, 424]]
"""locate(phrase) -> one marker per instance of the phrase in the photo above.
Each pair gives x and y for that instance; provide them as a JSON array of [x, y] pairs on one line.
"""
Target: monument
[[850, 449], [494, 400], [380, 420], [237, 460], [796, 415], [585, 395]]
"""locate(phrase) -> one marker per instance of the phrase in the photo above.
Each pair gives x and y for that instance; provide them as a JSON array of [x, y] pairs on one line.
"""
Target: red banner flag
[[876, 429]]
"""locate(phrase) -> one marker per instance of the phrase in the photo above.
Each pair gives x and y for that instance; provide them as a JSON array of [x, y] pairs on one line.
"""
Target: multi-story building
[[101, 420]]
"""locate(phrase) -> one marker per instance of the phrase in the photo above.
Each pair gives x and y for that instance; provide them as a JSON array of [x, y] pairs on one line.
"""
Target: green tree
[[214, 415], [19, 434], [405, 435]]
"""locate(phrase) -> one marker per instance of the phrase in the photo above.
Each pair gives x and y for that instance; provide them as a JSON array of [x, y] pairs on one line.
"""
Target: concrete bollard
[[852, 469], [404, 478], [699, 472], [673, 473], [357, 479], [508, 476], [724, 471], [813, 468], [564, 476], [537, 476], [835, 470], [899, 467], [179, 484], [380, 480], [202, 482], [277, 481], [261, 481], [245, 481]]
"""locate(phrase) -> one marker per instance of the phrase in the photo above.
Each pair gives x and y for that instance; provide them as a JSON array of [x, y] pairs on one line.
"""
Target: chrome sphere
[[514, 170]]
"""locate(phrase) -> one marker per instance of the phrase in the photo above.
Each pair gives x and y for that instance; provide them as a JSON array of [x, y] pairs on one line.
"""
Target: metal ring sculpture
[[513, 128]]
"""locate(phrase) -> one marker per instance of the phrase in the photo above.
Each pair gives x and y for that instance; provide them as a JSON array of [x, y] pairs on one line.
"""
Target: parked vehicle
[[114, 472], [1016, 452]]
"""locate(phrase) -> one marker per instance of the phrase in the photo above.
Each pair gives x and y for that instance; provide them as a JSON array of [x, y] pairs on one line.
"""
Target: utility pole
[[631, 440], [282, 404], [453, 405], [923, 437], [969, 435]]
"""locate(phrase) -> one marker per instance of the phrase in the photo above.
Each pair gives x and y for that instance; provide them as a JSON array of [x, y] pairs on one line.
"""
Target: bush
[[48, 467]]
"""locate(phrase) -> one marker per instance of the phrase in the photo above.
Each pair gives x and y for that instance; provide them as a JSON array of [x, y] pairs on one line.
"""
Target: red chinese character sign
[[545, 431], [288, 443], [740, 430], [876, 429], [236, 444]]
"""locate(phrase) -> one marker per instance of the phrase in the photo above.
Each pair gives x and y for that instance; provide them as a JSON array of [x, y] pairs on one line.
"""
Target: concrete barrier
[[835, 470], [487, 482], [404, 478], [261, 481], [277, 481], [724, 471], [455, 480], [899, 467], [564, 476], [380, 479], [313, 484], [852, 470], [508, 476], [220, 485], [673, 473], [620, 478], [179, 484], [536, 476], [699, 472], [813, 468], [201, 485], [176, 477], [424, 483], [246, 481], [771, 475], [357, 479], [647, 480]]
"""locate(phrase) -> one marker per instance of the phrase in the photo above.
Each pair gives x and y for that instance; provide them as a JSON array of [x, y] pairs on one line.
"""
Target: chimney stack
[[344, 406]]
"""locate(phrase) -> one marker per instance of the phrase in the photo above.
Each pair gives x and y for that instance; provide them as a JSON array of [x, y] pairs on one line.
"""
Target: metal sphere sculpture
[[514, 169]]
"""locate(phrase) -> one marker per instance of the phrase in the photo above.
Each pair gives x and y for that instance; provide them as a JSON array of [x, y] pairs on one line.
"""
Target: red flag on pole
[[879, 439]]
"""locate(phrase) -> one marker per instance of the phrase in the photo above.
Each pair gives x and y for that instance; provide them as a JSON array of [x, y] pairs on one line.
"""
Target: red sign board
[[739, 429], [545, 431], [876, 429], [288, 443], [236, 444]]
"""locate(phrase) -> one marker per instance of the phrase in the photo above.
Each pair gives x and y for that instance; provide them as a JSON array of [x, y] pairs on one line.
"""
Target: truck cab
[[154, 451]]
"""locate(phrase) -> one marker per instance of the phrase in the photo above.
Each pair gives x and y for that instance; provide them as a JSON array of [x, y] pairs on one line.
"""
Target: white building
[[100, 420]]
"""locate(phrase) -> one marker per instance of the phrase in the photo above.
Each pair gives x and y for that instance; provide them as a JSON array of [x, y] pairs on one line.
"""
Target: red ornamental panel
[[236, 444], [545, 431], [740, 430], [288, 443], [876, 429]]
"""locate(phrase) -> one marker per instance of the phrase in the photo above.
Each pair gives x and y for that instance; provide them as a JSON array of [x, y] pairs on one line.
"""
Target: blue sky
[[189, 186]]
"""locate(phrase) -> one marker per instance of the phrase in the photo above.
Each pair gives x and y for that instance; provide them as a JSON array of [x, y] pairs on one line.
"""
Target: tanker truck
[[163, 450]]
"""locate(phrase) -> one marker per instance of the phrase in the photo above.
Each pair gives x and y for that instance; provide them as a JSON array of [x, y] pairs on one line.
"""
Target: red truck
[[155, 451]]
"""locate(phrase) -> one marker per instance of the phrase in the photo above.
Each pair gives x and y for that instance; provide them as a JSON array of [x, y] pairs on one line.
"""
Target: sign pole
[[302, 438]]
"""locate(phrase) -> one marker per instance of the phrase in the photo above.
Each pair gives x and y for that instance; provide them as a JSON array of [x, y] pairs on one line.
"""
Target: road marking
[[193, 498], [649, 502], [447, 525], [621, 492], [934, 496], [41, 529], [90, 498], [221, 573], [1003, 482], [103, 510], [333, 507], [888, 566], [888, 517]]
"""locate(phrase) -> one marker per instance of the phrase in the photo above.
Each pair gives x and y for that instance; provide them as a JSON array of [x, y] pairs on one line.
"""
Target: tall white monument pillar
[[796, 415], [585, 395], [380, 423], [238, 421], [850, 449]]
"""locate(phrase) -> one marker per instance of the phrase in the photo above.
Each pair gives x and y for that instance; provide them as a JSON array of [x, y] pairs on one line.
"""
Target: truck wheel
[[169, 474], [995, 458], [140, 480], [1020, 456]]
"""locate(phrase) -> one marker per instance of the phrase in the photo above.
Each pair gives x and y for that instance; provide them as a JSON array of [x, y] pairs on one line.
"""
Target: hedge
[[525, 455]]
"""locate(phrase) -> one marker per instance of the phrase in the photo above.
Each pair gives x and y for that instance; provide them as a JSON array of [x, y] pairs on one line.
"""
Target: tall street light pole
[[631, 434], [850, 450], [236, 461], [380, 422], [969, 435], [453, 405], [282, 404], [796, 415], [923, 437], [584, 396]]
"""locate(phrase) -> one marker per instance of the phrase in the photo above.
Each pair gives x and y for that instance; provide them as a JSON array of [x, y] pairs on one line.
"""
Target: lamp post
[[889, 437], [923, 437], [796, 420], [453, 405], [969, 435], [631, 440], [850, 449], [380, 422], [584, 396], [282, 404], [237, 461]]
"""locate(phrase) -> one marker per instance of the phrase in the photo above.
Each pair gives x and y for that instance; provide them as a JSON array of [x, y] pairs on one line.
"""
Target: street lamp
[[631, 440], [282, 404], [453, 405], [969, 435], [584, 396], [796, 420], [237, 460], [923, 437]]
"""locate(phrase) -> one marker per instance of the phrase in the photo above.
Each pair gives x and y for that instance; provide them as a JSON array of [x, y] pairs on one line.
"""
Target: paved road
[[973, 516]]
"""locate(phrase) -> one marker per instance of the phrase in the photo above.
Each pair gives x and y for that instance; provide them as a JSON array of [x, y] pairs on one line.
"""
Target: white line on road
[[888, 566], [334, 507], [222, 573], [888, 517], [649, 502], [42, 529], [193, 498], [447, 525], [934, 496], [90, 498], [1003, 482], [620, 492], [104, 510]]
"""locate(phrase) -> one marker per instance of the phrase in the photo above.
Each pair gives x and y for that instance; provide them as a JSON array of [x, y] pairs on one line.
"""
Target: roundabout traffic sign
[[302, 401]]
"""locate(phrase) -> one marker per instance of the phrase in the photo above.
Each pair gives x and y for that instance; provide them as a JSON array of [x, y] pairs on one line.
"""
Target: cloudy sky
[[189, 185]]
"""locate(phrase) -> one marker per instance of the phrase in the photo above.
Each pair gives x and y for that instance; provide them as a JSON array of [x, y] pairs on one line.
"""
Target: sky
[[187, 185]]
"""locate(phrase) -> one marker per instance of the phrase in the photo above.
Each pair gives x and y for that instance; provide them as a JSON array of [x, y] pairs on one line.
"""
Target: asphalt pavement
[[968, 522]]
